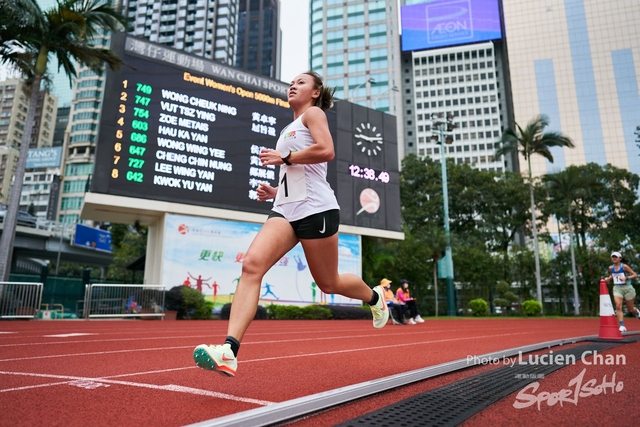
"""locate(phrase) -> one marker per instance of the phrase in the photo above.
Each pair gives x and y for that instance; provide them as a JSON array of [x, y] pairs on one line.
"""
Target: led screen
[[180, 135], [443, 23]]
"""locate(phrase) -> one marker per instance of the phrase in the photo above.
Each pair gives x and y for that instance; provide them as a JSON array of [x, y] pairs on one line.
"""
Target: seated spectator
[[396, 308], [404, 295]]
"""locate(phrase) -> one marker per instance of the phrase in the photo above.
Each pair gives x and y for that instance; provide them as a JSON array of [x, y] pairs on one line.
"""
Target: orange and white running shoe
[[217, 358]]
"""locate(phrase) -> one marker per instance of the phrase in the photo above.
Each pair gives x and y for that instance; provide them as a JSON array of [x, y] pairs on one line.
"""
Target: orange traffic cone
[[608, 322]]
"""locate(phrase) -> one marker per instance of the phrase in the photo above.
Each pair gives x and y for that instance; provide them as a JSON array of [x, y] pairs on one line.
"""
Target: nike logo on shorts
[[324, 226]]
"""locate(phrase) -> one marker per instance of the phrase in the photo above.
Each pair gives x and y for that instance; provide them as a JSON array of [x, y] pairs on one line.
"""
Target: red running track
[[78, 373]]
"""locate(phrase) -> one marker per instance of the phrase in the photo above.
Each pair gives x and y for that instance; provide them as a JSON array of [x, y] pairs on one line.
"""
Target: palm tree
[[529, 141], [567, 187], [434, 241], [28, 36]]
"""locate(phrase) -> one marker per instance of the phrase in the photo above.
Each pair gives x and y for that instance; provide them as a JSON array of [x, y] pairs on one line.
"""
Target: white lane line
[[95, 353], [190, 346], [416, 331], [168, 387], [28, 387], [5, 332], [158, 371], [378, 347], [267, 342], [75, 334]]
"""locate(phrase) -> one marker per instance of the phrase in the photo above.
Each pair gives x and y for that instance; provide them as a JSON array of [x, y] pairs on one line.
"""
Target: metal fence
[[109, 300], [20, 300]]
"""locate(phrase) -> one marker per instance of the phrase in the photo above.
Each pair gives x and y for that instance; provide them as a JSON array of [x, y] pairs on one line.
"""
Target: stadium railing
[[123, 301], [20, 300]]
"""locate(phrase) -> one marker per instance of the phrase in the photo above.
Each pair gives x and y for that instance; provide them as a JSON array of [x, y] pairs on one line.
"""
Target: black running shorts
[[316, 226]]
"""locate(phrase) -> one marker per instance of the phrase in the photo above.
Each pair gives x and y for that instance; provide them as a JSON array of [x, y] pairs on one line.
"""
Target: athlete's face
[[302, 90]]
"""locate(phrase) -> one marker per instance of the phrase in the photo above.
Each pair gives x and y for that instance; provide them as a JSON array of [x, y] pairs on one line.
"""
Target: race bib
[[619, 278], [292, 185]]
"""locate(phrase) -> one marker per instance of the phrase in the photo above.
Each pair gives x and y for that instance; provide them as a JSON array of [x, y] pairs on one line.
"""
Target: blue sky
[[294, 22]]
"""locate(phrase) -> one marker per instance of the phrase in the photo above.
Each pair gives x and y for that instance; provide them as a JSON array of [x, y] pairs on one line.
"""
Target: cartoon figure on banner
[[268, 291], [313, 292], [200, 282], [323, 296], [187, 282], [215, 288], [300, 267], [237, 282]]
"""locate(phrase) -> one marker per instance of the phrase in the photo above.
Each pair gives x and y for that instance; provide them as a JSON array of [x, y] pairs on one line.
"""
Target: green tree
[[530, 141], [66, 31], [433, 241], [376, 260], [505, 296], [129, 243], [476, 271], [608, 210], [420, 193], [423, 217], [505, 209], [568, 188]]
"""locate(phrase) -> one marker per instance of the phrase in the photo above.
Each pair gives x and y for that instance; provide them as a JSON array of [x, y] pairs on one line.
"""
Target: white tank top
[[303, 190]]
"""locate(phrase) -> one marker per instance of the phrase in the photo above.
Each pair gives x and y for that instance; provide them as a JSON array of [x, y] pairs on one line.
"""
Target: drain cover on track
[[452, 404]]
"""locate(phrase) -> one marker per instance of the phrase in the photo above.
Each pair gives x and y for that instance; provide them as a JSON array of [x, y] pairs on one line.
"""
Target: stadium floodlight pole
[[371, 80], [375, 100], [446, 138]]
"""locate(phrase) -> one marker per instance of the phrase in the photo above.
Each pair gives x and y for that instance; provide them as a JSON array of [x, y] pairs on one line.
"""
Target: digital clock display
[[369, 173]]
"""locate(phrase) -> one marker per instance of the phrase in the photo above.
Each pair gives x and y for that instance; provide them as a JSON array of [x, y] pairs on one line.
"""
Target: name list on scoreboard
[[166, 138]]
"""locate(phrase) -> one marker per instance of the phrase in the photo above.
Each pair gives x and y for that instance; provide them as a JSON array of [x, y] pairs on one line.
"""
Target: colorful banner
[[206, 254]]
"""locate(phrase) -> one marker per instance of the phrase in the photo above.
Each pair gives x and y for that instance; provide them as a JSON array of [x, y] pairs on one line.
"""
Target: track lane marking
[[208, 337], [168, 387], [72, 334], [262, 342]]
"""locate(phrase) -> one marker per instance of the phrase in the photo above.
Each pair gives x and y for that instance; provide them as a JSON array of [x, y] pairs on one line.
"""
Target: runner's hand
[[266, 192]]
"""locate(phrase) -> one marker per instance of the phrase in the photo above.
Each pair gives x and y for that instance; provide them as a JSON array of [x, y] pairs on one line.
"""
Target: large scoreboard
[[184, 129]]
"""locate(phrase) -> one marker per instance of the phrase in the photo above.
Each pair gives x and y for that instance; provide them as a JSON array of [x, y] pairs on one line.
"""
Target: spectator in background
[[404, 295], [393, 304], [621, 274]]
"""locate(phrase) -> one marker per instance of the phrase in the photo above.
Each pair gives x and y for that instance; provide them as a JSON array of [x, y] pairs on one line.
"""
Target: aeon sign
[[449, 22], [441, 23]]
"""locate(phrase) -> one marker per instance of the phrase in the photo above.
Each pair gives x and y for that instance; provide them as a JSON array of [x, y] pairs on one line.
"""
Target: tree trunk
[[11, 217], [576, 300]]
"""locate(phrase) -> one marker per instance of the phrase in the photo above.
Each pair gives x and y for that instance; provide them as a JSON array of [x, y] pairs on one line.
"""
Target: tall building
[[204, 28], [60, 129], [84, 123], [578, 62], [259, 37], [454, 65], [8, 164], [355, 46], [14, 99]]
